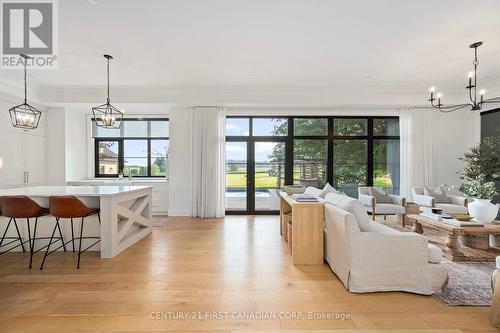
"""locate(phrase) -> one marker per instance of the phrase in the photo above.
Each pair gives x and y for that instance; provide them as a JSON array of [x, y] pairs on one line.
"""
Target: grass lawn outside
[[238, 180]]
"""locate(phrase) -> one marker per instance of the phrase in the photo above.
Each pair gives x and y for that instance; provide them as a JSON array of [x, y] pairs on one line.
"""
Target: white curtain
[[209, 181], [417, 149]]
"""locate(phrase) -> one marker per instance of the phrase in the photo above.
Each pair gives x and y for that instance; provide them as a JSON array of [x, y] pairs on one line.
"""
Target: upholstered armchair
[[450, 204], [376, 201]]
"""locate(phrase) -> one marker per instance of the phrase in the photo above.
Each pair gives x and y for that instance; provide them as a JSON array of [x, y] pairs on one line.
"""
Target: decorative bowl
[[462, 217]]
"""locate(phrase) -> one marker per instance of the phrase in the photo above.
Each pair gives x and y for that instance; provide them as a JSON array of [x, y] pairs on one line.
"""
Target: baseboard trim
[[179, 212]]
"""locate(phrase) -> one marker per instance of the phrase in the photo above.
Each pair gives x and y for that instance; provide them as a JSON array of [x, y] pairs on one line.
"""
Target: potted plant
[[481, 170]]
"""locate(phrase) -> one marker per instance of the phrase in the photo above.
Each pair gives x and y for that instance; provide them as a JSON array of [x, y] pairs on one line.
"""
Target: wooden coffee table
[[451, 246]]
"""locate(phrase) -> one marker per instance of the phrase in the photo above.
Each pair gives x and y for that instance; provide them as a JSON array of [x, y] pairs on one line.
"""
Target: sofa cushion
[[328, 189], [311, 190], [452, 209], [352, 206], [382, 229], [380, 195], [435, 254], [389, 209], [437, 193]]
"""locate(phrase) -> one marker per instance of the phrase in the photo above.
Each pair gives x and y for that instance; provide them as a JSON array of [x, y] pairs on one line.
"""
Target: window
[[139, 148], [265, 153], [350, 127], [270, 126], [350, 165], [107, 161], [310, 158], [237, 127], [310, 126]]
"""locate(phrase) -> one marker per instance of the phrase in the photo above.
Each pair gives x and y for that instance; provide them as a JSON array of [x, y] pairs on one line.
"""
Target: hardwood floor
[[238, 265]]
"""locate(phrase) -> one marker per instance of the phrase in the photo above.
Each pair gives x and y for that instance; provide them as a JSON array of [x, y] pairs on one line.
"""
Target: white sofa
[[369, 257], [456, 205], [395, 207]]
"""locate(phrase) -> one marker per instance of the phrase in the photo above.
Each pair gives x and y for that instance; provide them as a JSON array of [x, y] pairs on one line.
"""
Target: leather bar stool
[[70, 207], [22, 207]]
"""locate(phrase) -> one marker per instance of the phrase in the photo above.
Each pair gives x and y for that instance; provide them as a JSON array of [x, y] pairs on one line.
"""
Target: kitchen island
[[125, 214]]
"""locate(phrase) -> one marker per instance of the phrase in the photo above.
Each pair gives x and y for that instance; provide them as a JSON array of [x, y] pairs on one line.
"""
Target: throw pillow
[[380, 195], [315, 192], [437, 193], [328, 189], [352, 206]]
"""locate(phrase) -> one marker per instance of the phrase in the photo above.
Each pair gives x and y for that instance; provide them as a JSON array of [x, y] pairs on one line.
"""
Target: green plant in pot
[[482, 168]]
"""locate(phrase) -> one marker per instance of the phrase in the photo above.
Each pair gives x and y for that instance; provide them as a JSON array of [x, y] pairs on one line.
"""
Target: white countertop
[[115, 181], [78, 191]]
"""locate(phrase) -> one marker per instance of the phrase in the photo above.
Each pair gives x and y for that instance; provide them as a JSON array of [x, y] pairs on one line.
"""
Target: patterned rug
[[469, 284]]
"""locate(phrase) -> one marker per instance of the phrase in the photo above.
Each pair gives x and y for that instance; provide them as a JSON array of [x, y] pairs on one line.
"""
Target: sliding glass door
[[236, 176], [255, 164], [269, 174], [265, 153]]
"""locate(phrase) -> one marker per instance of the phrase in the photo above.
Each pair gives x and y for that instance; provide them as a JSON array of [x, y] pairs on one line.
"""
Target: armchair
[[456, 205], [396, 206]]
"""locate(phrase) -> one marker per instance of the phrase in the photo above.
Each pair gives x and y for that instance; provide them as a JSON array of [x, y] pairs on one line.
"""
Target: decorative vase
[[483, 210]]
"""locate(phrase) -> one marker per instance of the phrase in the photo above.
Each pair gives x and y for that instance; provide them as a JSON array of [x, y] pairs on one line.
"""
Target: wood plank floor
[[237, 266]]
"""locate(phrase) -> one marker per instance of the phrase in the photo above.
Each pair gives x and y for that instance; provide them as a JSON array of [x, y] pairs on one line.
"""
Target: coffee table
[[452, 248]]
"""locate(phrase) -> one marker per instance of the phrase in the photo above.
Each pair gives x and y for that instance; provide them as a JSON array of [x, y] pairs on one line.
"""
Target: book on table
[[445, 218], [304, 198]]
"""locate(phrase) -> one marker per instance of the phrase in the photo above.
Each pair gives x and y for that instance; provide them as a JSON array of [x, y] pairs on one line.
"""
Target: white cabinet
[[11, 155], [34, 159], [22, 159], [160, 195]]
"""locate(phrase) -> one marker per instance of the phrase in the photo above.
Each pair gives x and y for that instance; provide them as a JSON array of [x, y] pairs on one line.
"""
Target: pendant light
[[24, 115], [106, 115]]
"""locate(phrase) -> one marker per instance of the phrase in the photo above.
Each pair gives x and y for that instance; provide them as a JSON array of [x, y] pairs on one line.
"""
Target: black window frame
[[288, 139], [121, 157]]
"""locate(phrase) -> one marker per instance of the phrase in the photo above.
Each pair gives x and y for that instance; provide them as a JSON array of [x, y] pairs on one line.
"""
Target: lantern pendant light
[[24, 115], [106, 115]]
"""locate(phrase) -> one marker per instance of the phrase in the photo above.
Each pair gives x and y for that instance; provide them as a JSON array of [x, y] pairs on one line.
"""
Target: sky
[[240, 127]]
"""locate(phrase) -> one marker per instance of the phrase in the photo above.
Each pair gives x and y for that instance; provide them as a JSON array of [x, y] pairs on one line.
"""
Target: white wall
[[453, 133], [76, 144], [56, 148], [180, 170]]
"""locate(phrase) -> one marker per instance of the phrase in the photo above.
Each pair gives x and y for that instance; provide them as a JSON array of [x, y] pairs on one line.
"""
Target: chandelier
[[475, 103], [24, 115], [106, 115]]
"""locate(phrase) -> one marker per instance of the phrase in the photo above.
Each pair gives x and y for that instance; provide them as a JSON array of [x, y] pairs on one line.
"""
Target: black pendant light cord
[[25, 81], [108, 77]]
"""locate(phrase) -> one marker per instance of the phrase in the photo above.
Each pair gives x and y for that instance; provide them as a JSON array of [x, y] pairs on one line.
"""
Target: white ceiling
[[279, 43]]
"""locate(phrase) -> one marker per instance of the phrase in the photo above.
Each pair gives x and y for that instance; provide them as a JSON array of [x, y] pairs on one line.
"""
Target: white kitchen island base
[[125, 214], [129, 215]]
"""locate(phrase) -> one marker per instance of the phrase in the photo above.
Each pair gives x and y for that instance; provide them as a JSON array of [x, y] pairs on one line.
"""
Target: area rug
[[469, 282]]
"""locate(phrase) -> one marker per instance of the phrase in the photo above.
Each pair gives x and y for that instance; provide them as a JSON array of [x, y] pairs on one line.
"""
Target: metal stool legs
[[82, 238], [13, 239], [47, 251]]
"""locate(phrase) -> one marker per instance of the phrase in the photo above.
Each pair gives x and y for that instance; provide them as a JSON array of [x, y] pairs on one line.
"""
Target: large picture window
[[139, 148], [265, 153]]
